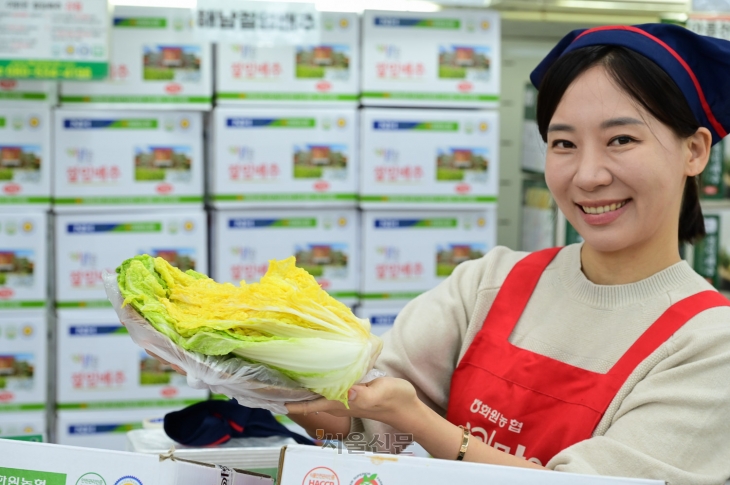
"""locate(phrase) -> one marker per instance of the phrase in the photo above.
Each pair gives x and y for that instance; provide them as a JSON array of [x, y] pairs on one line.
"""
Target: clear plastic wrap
[[252, 385]]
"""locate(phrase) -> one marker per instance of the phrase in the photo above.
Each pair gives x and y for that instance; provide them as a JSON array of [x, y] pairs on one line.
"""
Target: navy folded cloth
[[211, 423]]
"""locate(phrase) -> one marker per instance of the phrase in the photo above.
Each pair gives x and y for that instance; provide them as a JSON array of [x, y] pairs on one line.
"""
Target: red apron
[[533, 406]]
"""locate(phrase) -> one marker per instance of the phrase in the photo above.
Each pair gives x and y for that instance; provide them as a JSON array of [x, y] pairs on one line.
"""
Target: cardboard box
[[24, 93], [87, 245], [325, 243], [25, 156], [156, 62], [313, 465], [277, 157], [25, 426], [429, 158], [105, 429], [449, 58], [317, 63], [98, 365], [538, 216], [23, 362], [565, 233], [61, 465], [24, 257], [407, 253], [715, 179], [381, 316], [533, 148], [124, 159]]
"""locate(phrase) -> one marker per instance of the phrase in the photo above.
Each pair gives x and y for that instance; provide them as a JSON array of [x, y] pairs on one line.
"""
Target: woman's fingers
[[176, 368]]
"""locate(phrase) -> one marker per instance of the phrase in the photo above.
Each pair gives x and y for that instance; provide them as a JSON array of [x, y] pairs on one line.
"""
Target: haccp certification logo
[[366, 479], [321, 476]]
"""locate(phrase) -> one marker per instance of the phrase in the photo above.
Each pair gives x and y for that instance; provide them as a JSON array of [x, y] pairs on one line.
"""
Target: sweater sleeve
[[423, 347], [673, 424]]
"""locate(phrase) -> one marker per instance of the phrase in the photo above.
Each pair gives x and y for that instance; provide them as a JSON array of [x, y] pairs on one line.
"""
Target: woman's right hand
[[176, 368]]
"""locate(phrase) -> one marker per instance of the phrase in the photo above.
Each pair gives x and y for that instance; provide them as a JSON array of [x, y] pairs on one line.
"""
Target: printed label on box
[[23, 260], [25, 156], [324, 242], [98, 365], [318, 65], [19, 92], [428, 158], [23, 353], [88, 245], [448, 58], [54, 40], [156, 61], [284, 157], [407, 253], [25, 426], [128, 158], [381, 317]]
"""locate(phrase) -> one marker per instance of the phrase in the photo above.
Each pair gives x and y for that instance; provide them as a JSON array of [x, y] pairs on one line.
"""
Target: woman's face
[[615, 171]]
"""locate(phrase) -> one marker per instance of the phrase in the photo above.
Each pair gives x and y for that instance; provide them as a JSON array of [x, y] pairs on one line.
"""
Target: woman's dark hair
[[646, 83]]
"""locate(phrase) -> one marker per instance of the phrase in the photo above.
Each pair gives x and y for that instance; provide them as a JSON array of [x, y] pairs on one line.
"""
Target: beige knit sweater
[[670, 421]]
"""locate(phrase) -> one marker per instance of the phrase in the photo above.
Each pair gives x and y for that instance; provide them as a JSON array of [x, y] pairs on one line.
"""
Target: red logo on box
[[324, 284], [465, 86], [169, 392], [710, 190], [324, 86], [164, 188], [321, 186], [463, 188], [6, 396], [366, 479], [321, 476], [12, 188], [6, 292], [173, 88], [8, 83]]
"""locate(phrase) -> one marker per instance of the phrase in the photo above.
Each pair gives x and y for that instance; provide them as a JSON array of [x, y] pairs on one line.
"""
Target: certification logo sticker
[[128, 480], [90, 479], [366, 479], [321, 476]]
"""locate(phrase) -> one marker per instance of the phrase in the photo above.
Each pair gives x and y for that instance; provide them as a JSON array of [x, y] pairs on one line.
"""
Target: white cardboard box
[[27, 425], [314, 66], [156, 62], [381, 316], [309, 465], [429, 158], [325, 243], [24, 263], [17, 92], [43, 463], [123, 159], [98, 364], [87, 245], [449, 58], [25, 156], [23, 362], [284, 157], [105, 429], [407, 253]]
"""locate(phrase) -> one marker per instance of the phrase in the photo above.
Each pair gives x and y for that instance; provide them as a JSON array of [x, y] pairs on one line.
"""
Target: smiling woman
[[606, 357]]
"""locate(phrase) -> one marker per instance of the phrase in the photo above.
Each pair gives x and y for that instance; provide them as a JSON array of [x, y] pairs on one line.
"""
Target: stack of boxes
[[128, 180], [25, 196], [284, 160], [380, 204], [429, 177]]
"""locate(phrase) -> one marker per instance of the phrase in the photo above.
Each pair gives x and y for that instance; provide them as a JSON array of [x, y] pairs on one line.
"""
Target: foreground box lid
[[61, 465], [311, 465]]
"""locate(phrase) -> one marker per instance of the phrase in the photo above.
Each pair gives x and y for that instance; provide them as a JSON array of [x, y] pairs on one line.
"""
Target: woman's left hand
[[385, 399]]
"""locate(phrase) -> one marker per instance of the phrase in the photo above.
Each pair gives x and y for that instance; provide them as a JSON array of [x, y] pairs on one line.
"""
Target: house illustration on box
[[172, 56], [7, 261], [7, 365], [462, 158], [321, 254], [10, 156], [464, 56], [460, 253], [162, 157], [323, 55], [320, 155]]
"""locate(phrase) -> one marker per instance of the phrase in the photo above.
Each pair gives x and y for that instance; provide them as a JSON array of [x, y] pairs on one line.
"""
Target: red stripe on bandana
[[703, 101]]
